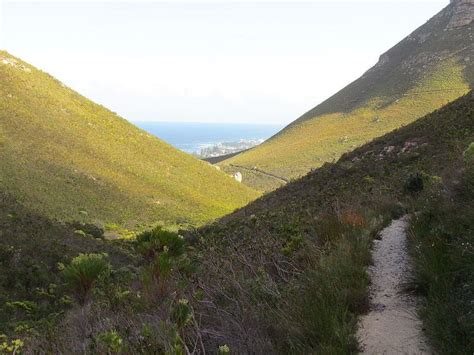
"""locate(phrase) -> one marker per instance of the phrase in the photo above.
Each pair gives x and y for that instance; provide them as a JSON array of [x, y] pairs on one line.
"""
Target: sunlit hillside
[[425, 71], [66, 157]]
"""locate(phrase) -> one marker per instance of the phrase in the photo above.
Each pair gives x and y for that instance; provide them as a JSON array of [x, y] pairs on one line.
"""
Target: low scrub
[[443, 250], [321, 312]]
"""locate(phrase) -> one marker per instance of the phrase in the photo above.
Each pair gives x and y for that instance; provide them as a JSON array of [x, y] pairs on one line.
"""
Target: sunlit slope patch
[[69, 158], [427, 69], [308, 144]]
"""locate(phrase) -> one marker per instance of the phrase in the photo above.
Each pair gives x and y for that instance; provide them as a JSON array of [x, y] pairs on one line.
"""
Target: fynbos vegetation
[[426, 70], [287, 273], [69, 158], [83, 271]]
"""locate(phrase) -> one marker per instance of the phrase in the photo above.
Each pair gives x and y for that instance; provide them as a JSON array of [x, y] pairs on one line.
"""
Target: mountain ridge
[[427, 69]]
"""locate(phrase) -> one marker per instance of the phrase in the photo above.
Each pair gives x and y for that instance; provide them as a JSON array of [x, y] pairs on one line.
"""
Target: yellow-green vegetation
[[289, 267], [423, 72], [309, 144], [258, 180], [69, 158], [285, 274]]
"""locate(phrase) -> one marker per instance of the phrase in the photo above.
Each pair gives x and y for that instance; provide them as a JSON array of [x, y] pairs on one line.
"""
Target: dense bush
[[443, 250], [110, 342], [163, 251], [158, 241], [414, 183], [83, 272], [320, 314]]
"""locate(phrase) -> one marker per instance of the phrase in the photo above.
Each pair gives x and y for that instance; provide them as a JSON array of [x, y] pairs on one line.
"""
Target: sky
[[214, 61]]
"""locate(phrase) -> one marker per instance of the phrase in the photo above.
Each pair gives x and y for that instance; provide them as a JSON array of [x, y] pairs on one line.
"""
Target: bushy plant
[[162, 249], [83, 272], [414, 183], [111, 341], [323, 311], [10, 347], [28, 308], [469, 153], [442, 246], [158, 240], [223, 350], [181, 313]]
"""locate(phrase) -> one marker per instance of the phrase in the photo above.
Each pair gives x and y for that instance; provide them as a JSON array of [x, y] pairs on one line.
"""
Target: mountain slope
[[289, 268], [429, 68], [285, 274], [66, 157]]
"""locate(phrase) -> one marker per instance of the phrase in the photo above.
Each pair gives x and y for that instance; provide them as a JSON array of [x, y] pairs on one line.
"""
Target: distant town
[[225, 148]]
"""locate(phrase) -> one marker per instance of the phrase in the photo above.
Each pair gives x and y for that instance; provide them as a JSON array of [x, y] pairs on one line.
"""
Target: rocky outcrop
[[463, 13]]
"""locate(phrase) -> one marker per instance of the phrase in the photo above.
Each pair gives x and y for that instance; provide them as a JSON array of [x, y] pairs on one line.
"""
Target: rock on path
[[392, 325]]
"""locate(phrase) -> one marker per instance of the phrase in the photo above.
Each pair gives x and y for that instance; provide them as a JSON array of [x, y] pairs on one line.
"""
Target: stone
[[238, 176]]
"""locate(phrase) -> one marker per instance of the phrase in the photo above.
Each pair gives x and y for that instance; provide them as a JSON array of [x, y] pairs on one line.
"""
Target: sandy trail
[[392, 325]]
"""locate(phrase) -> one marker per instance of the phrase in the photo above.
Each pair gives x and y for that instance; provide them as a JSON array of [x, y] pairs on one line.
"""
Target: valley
[[349, 231], [426, 70]]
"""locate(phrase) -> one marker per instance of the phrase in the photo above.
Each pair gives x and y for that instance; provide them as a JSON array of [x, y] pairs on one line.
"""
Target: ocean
[[191, 137]]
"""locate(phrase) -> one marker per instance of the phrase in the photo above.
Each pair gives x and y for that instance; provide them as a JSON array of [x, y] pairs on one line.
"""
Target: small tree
[[161, 249], [84, 271]]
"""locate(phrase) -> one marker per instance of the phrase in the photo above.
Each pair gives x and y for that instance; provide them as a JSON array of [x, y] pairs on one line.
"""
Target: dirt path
[[392, 325]]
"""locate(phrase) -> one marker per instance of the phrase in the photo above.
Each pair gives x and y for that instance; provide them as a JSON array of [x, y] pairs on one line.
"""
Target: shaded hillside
[[31, 249], [425, 71], [298, 254], [69, 158]]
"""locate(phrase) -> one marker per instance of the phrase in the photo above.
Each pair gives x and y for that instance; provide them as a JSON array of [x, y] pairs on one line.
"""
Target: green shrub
[[10, 347], [181, 313], [111, 341], [322, 309], [414, 183], [28, 307], [469, 153], [163, 251], [442, 246], [223, 350], [294, 244], [156, 241], [84, 271]]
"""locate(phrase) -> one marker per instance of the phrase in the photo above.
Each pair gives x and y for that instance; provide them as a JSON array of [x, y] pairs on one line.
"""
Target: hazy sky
[[243, 61]]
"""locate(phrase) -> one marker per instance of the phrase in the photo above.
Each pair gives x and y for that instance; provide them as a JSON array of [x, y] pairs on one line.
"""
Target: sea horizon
[[191, 137]]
